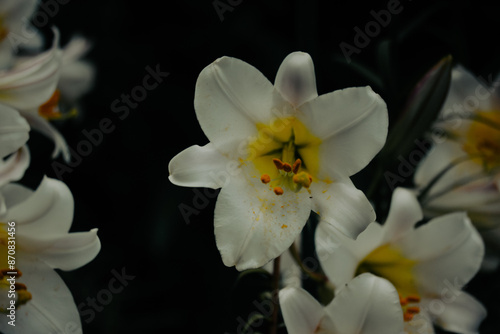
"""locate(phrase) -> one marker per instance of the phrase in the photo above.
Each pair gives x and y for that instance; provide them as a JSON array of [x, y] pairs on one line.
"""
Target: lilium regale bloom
[[277, 152], [42, 243], [366, 305], [428, 265], [469, 158]]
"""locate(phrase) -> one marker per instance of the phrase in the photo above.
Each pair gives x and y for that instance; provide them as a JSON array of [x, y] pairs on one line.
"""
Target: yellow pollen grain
[[284, 226]]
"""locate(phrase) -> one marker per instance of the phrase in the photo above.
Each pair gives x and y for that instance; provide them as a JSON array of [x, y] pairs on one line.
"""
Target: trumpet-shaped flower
[[366, 305], [36, 226], [463, 171], [277, 152], [427, 265]]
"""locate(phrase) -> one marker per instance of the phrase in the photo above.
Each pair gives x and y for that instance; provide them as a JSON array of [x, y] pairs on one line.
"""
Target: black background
[[122, 187]]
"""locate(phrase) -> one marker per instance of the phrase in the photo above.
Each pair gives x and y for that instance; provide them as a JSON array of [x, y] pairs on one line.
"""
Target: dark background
[[122, 187]]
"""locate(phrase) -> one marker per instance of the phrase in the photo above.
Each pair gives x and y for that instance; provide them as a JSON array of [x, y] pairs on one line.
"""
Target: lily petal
[[253, 225], [13, 168], [347, 120], [231, 97], [14, 130], [342, 205], [72, 251], [366, 305], [462, 313], [301, 312], [198, 166], [44, 216], [404, 213], [295, 79], [446, 247]]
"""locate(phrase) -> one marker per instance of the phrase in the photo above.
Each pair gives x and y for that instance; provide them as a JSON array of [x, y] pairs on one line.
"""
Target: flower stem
[[275, 282], [315, 276]]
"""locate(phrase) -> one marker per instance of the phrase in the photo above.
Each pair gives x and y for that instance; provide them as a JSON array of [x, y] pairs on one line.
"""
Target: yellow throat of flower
[[388, 262], [285, 154], [482, 140], [9, 274]]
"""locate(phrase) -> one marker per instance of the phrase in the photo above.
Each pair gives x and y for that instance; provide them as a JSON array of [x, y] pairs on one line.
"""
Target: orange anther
[[287, 167], [278, 190], [265, 178], [413, 309], [50, 109], [296, 166], [407, 316], [278, 163], [413, 299], [403, 301]]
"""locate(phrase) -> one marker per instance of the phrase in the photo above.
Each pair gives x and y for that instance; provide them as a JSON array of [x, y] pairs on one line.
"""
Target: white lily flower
[[42, 243], [366, 305], [428, 265], [16, 29], [279, 152], [470, 155]]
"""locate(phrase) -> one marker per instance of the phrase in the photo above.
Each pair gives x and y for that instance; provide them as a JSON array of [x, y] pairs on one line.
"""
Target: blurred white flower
[[365, 305], [427, 265], [279, 152], [462, 172], [42, 243]]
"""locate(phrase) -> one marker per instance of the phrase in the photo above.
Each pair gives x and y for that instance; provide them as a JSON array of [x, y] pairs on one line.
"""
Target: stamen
[[403, 301], [413, 299], [278, 163], [407, 316], [50, 109], [303, 179], [265, 178], [278, 191], [287, 167], [296, 166], [413, 309]]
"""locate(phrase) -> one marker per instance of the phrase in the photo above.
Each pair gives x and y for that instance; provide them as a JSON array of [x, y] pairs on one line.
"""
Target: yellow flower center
[[388, 262], [9, 274], [483, 139], [286, 155]]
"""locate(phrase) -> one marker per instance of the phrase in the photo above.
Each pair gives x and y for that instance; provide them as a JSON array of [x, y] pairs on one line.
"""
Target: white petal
[[336, 250], [13, 168], [448, 251], [72, 251], [404, 213], [301, 312], [231, 97], [462, 313], [366, 305], [75, 80], [295, 79], [14, 131], [43, 217], [32, 81], [51, 309], [352, 123], [43, 126], [342, 205], [253, 225], [75, 49], [200, 166], [465, 89]]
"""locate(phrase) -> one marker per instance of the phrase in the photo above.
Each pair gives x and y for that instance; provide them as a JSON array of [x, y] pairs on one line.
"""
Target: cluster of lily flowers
[[278, 152], [40, 81]]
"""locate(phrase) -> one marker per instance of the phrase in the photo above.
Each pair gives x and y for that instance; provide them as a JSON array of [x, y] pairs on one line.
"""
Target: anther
[[278, 190], [296, 166], [413, 309], [278, 163], [413, 299], [265, 178], [407, 316], [287, 167]]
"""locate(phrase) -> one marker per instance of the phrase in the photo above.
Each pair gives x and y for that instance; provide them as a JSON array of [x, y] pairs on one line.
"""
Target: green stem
[[315, 276], [275, 282]]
